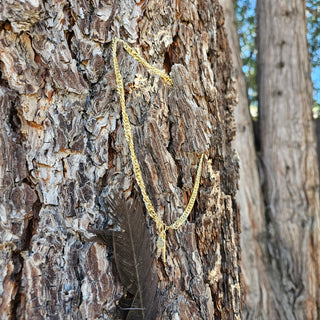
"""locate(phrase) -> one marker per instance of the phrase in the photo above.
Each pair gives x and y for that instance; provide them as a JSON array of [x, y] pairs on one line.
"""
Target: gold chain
[[160, 225]]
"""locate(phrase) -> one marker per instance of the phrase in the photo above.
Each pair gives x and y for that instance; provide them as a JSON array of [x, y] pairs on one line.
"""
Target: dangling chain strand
[[160, 225]]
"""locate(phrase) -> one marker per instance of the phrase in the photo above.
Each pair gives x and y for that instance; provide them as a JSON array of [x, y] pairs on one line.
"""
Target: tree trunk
[[317, 121], [249, 196], [291, 185], [63, 148]]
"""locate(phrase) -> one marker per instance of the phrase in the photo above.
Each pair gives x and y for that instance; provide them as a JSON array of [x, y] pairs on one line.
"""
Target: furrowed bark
[[65, 147], [249, 196], [288, 142]]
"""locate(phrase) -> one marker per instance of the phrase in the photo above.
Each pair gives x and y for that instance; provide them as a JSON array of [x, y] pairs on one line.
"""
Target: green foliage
[[313, 18], [316, 110], [246, 18]]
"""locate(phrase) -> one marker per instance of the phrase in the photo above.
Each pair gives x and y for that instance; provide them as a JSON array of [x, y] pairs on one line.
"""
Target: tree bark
[[291, 185], [63, 148], [249, 196], [317, 121]]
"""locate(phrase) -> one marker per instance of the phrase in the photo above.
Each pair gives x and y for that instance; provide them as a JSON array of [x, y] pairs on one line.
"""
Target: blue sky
[[316, 81]]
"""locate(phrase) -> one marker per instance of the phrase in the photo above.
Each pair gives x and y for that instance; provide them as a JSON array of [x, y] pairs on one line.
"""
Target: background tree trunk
[[291, 185], [249, 196], [317, 121], [63, 147]]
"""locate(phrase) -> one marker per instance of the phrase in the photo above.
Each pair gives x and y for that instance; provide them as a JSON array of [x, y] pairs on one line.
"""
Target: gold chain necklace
[[161, 227]]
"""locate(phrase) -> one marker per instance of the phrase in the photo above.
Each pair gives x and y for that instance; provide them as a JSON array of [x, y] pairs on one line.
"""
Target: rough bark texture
[[249, 196], [63, 147], [291, 184], [317, 121]]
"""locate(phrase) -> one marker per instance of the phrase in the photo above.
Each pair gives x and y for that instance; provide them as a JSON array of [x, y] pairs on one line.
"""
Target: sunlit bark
[[63, 147]]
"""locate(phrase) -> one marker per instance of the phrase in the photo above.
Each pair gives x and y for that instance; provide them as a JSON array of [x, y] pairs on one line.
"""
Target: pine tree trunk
[[291, 185], [249, 196], [63, 147], [317, 121]]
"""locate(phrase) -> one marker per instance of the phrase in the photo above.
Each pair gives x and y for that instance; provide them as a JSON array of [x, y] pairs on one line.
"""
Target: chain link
[[160, 225]]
